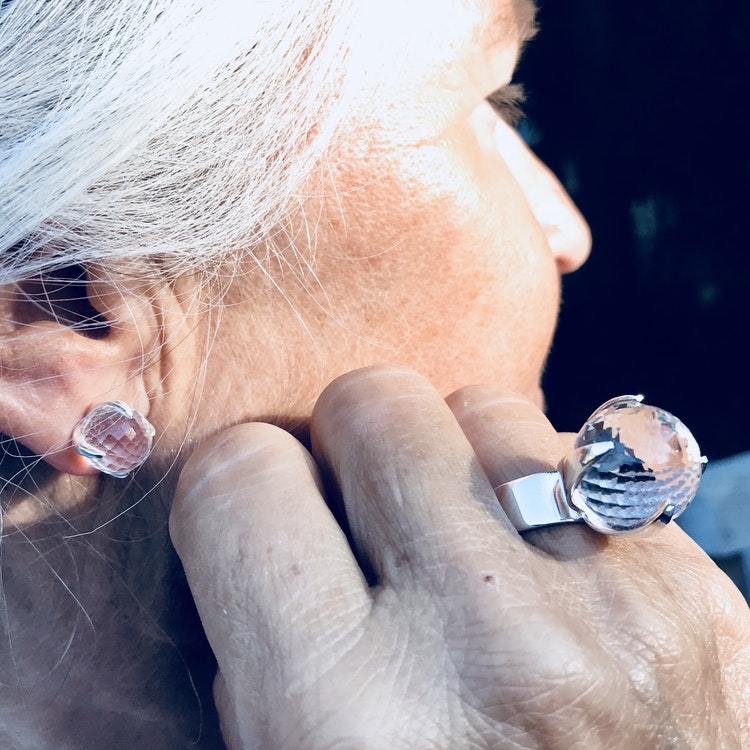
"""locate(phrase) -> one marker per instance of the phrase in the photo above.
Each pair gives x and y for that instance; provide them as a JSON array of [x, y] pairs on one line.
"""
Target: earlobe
[[69, 342]]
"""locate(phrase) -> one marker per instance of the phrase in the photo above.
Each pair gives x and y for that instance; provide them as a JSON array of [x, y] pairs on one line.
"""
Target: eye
[[507, 102]]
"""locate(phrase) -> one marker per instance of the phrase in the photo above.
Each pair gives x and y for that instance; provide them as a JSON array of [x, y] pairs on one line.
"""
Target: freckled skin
[[432, 244]]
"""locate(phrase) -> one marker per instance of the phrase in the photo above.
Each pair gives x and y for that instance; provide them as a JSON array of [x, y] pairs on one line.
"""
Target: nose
[[567, 232]]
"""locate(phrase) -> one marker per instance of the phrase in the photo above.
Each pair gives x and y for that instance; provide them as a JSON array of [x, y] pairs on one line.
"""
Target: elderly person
[[240, 229]]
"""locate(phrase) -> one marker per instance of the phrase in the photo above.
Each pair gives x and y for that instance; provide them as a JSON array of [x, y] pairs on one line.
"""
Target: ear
[[68, 341]]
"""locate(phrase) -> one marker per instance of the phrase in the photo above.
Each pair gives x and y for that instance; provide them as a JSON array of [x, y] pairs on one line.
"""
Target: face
[[432, 237]]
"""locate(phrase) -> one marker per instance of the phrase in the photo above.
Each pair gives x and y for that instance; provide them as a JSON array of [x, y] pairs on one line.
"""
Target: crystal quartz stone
[[115, 438], [632, 464]]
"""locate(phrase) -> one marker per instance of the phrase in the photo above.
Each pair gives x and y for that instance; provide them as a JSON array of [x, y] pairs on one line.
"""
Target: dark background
[[639, 108]]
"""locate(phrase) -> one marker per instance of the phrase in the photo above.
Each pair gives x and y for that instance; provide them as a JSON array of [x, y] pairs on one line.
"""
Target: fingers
[[512, 438], [297, 632], [271, 572], [417, 500]]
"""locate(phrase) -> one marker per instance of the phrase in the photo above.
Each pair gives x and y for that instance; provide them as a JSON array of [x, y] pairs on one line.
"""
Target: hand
[[472, 636]]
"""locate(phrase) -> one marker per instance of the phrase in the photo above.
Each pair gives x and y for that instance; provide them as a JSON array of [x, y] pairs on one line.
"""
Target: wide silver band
[[548, 507]]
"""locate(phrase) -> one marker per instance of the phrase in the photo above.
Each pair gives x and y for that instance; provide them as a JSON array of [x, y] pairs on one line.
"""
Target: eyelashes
[[508, 102]]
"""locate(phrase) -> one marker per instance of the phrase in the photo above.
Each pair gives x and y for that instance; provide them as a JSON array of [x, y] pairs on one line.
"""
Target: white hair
[[173, 130]]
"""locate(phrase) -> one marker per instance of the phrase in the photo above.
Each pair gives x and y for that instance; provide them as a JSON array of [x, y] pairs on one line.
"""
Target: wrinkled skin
[[471, 636]]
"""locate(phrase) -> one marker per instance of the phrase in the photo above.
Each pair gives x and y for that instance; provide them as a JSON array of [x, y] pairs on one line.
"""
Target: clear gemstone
[[115, 438], [648, 466]]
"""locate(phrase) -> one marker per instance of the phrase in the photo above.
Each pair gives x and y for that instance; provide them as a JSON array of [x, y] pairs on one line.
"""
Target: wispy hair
[[166, 130]]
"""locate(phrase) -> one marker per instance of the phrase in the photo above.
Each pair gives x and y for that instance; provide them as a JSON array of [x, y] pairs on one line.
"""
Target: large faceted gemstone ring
[[631, 465]]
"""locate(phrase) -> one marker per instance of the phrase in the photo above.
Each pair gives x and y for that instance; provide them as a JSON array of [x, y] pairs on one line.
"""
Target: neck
[[99, 642]]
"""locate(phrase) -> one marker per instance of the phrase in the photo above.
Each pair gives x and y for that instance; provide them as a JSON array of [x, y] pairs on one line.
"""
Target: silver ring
[[631, 466]]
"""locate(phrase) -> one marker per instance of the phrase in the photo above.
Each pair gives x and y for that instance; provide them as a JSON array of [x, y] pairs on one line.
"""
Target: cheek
[[440, 261]]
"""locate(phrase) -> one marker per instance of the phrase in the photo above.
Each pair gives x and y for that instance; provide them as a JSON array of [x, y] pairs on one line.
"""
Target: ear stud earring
[[114, 437]]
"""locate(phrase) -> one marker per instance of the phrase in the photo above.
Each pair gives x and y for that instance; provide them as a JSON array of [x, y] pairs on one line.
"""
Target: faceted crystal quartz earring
[[114, 437]]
